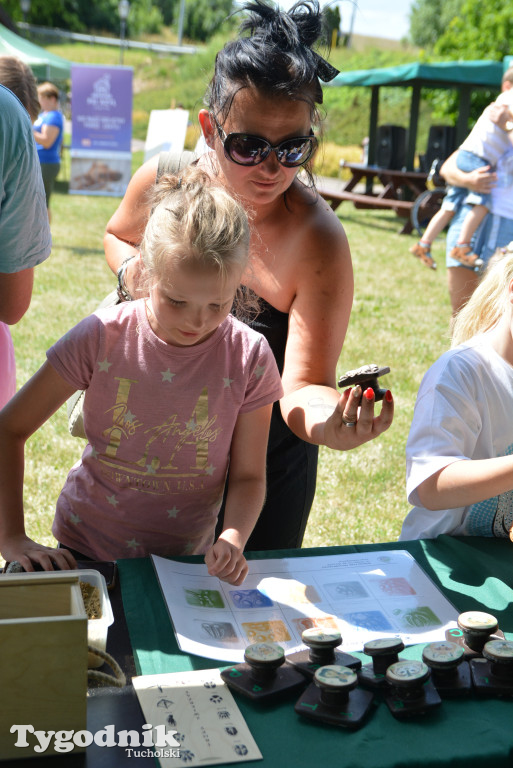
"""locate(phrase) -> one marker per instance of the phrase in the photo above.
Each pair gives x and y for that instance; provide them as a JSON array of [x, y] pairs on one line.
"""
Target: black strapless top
[[274, 325]]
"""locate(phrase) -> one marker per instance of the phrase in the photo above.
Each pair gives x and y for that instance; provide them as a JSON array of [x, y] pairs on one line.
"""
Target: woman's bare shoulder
[[321, 229]]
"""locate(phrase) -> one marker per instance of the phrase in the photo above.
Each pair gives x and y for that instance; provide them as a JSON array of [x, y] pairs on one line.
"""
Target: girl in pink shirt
[[177, 389]]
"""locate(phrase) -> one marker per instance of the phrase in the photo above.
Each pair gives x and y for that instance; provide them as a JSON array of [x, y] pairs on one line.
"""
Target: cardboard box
[[97, 629], [43, 658]]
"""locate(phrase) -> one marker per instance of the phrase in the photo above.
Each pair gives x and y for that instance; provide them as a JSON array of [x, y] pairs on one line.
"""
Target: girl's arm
[[125, 229], [47, 136], [245, 497], [318, 320], [467, 482], [41, 396]]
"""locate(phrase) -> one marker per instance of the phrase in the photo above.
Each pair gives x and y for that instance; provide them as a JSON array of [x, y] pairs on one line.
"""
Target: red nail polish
[[388, 396], [369, 393]]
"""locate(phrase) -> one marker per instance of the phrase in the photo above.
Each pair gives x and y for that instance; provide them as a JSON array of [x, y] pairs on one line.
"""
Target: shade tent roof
[[463, 76], [440, 74], [44, 65]]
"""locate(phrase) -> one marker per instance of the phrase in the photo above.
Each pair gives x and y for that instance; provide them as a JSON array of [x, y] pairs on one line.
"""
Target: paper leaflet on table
[[202, 715], [363, 595]]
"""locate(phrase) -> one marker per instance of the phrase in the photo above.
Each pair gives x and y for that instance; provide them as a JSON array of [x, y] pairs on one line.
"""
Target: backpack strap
[[173, 162]]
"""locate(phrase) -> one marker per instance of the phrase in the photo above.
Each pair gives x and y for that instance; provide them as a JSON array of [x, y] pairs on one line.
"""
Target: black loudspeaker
[[441, 143], [391, 147]]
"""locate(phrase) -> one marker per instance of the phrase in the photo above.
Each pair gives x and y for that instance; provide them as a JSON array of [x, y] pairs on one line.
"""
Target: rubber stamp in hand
[[366, 376]]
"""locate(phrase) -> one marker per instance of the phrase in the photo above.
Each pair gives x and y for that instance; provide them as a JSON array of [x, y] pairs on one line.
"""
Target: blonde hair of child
[[487, 304], [194, 221]]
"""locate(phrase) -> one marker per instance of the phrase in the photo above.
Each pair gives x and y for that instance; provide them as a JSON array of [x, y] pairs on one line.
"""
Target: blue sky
[[376, 18]]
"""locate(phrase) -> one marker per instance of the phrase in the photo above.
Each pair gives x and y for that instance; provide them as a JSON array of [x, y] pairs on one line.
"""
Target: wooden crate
[[43, 658]]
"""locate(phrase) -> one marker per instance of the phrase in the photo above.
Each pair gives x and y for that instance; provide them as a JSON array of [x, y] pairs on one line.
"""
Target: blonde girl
[[459, 454], [177, 389]]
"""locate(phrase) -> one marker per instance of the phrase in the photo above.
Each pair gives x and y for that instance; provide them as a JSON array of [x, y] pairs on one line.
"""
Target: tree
[[430, 18], [51, 13], [169, 10], [482, 30], [203, 18], [332, 22]]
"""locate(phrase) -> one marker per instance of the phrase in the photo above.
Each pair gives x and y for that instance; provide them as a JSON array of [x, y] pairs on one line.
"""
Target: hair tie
[[325, 71]]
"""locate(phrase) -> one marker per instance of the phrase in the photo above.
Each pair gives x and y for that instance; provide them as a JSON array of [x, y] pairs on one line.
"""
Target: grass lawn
[[400, 318]]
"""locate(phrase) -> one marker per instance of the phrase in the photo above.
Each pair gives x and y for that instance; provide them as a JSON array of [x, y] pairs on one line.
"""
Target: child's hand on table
[[226, 561]]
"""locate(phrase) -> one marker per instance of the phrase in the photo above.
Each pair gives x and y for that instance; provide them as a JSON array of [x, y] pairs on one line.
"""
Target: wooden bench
[[402, 208]]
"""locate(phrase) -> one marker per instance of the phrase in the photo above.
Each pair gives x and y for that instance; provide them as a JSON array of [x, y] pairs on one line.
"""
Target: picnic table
[[399, 190]]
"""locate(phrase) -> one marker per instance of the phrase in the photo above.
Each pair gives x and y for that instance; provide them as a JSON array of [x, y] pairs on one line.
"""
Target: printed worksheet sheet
[[202, 716], [363, 595]]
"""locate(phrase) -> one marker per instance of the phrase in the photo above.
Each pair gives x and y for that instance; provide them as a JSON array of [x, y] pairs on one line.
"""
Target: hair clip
[[325, 71]]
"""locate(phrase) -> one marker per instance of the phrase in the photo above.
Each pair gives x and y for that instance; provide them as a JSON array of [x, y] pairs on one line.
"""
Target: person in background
[[495, 232], [177, 389], [48, 133], [483, 148], [25, 239], [459, 453], [259, 127]]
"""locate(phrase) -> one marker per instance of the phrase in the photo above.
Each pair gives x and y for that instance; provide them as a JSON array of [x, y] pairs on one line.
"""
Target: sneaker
[[423, 252], [463, 254]]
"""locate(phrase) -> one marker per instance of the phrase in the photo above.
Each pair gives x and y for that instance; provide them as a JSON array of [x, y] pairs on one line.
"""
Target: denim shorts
[[467, 161], [494, 232], [454, 198]]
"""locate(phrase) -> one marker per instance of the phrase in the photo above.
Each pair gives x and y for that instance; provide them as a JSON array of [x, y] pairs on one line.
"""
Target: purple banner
[[101, 108]]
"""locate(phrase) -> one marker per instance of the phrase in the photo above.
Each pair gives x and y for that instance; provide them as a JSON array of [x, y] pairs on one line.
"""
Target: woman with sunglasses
[[262, 108]]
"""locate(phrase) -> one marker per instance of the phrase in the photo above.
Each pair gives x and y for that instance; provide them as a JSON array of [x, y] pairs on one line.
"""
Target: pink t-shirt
[[159, 421]]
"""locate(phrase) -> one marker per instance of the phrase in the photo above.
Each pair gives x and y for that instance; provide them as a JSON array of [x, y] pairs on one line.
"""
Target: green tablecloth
[[473, 573]]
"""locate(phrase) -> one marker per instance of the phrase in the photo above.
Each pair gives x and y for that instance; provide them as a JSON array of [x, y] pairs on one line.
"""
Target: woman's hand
[[226, 561], [353, 423], [481, 180], [28, 553], [478, 180]]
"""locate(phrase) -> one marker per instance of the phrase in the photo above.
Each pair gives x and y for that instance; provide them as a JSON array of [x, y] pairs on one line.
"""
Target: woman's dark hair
[[276, 57]]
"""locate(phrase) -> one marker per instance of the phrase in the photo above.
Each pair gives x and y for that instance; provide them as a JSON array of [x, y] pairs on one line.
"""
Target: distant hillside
[[362, 42]]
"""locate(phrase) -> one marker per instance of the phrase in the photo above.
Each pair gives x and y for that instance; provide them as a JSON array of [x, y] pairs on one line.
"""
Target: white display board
[[363, 595], [166, 131]]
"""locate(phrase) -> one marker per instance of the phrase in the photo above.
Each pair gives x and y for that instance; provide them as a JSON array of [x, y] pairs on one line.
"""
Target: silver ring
[[349, 423]]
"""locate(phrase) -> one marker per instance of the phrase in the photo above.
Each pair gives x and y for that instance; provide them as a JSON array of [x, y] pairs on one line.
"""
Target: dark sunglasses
[[244, 149]]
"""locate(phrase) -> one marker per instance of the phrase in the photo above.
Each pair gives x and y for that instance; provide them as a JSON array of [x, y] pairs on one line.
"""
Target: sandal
[[463, 254], [423, 252]]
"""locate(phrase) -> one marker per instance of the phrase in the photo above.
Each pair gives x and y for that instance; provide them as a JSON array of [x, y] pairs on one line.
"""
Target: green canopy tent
[[44, 65], [463, 76]]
